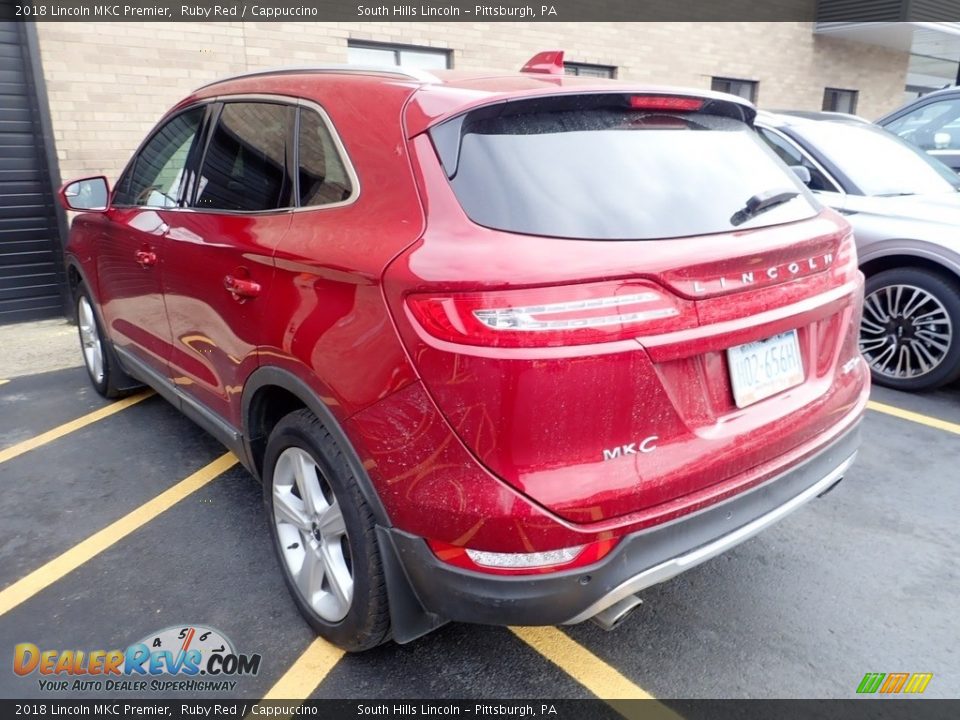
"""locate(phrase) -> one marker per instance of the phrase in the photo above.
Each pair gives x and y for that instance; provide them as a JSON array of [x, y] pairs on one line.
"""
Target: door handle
[[146, 258], [241, 289]]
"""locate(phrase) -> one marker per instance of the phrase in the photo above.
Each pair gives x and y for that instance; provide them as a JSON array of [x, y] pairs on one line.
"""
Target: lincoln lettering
[[776, 272]]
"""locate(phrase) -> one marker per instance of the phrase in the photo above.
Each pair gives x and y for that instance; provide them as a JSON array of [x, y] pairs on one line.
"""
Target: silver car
[[905, 210]]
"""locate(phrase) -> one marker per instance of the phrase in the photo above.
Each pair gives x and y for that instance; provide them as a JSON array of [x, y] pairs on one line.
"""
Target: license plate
[[764, 368]]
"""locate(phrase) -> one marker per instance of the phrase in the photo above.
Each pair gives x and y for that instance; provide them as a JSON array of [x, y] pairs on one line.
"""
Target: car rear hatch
[[589, 262]]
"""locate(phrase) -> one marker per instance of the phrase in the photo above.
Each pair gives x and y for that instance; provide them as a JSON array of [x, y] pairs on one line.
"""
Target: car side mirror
[[90, 194], [802, 172]]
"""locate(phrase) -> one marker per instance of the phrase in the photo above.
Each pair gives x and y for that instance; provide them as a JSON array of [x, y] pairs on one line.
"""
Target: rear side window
[[617, 173], [323, 175], [791, 155], [157, 173], [245, 164]]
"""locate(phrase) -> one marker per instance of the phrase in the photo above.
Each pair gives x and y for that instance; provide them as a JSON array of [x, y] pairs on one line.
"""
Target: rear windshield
[[616, 174]]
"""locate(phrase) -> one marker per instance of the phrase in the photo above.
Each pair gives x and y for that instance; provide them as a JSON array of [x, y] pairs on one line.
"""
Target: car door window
[[322, 172], [792, 155], [932, 127], [245, 166], [156, 175]]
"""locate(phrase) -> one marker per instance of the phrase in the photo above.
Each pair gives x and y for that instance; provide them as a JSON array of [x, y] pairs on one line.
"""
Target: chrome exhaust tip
[[829, 489], [615, 614]]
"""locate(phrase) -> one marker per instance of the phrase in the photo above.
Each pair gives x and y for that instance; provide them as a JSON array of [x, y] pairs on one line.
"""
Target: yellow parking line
[[309, 670], [46, 575], [67, 428], [915, 417], [4, 382], [593, 673], [580, 664]]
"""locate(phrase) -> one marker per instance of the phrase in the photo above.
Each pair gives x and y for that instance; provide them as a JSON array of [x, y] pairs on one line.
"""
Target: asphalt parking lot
[[121, 519]]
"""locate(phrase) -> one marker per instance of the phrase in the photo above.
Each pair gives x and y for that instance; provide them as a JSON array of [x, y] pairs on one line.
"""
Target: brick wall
[[108, 83]]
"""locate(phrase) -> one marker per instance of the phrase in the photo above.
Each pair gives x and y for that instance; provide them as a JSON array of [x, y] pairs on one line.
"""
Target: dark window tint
[[743, 88], [791, 155], [157, 173], [617, 174], [245, 164], [323, 174]]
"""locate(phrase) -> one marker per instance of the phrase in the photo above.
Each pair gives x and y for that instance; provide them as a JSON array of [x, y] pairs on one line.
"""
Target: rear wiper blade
[[761, 202]]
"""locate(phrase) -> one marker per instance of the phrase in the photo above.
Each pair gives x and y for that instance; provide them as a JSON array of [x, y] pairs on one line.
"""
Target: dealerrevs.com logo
[[180, 658]]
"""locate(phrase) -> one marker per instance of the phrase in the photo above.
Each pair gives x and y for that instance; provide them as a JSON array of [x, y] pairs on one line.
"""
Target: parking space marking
[[4, 382], [81, 422], [579, 663], [28, 586], [307, 672], [915, 417]]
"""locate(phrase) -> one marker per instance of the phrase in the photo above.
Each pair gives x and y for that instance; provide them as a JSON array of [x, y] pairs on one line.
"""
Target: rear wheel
[[909, 330], [324, 534], [98, 356]]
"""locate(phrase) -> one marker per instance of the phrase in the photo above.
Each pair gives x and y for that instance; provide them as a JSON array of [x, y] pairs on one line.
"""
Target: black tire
[[112, 382], [367, 623], [946, 292]]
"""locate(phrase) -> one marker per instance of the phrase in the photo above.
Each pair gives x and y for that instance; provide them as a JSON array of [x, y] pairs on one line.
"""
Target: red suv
[[502, 349]]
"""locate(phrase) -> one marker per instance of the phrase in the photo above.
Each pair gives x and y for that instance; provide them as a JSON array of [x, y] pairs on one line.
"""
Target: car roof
[[783, 119], [947, 92], [440, 94], [374, 70], [776, 119], [786, 118], [824, 115], [489, 81], [952, 90]]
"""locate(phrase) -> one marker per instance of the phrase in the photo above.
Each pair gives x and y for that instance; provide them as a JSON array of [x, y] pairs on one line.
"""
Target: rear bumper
[[639, 560]]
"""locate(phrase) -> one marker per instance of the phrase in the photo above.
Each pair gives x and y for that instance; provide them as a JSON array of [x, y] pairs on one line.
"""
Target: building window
[[844, 101], [409, 56], [744, 88], [587, 70]]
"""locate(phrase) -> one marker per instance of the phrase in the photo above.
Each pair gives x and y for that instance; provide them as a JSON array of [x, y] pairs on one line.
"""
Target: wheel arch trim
[[73, 263], [266, 376], [929, 252]]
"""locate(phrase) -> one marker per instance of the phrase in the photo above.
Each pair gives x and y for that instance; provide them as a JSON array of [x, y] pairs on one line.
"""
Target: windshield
[[618, 174], [877, 162]]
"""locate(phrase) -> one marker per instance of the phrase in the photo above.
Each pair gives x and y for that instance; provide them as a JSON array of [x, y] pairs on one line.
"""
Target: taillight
[[665, 102], [554, 316], [846, 262], [522, 563]]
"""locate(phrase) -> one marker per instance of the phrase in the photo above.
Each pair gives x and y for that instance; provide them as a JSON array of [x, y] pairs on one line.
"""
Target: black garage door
[[30, 258]]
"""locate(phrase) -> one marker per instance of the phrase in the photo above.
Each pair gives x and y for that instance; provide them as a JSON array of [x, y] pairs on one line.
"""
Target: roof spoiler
[[548, 62]]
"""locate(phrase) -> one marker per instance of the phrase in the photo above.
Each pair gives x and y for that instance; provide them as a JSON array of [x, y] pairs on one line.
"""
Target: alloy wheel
[[905, 331], [312, 534], [90, 340]]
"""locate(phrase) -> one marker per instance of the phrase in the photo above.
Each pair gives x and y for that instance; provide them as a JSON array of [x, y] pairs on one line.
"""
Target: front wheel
[[909, 331], [324, 535]]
